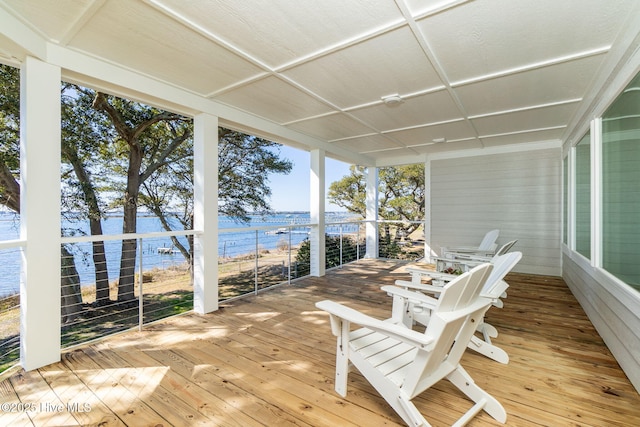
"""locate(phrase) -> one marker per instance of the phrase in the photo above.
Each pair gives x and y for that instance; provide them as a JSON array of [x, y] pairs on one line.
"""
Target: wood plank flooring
[[268, 360]]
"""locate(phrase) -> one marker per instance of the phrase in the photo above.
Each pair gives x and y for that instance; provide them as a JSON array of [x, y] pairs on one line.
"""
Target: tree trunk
[[71, 294], [95, 224], [100, 264], [126, 283], [10, 194]]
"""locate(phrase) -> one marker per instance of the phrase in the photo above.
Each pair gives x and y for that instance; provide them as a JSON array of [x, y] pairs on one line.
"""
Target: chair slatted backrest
[[506, 247], [489, 241], [502, 265], [451, 327]]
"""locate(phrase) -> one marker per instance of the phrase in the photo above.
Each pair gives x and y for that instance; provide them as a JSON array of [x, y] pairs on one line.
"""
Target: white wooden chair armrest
[[443, 276], [419, 286], [467, 253], [469, 257], [420, 271], [411, 296], [343, 313]]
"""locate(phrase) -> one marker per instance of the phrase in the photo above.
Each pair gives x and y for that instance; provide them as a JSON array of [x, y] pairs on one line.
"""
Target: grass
[[167, 292]]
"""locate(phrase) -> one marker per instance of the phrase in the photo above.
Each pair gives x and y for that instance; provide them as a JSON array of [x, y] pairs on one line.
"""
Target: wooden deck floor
[[269, 360]]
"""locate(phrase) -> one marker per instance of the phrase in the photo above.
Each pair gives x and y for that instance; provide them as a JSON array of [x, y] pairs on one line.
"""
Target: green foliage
[[332, 250], [10, 137], [245, 163], [401, 192]]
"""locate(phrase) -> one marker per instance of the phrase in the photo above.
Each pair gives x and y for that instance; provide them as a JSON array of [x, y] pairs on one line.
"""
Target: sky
[[291, 192]]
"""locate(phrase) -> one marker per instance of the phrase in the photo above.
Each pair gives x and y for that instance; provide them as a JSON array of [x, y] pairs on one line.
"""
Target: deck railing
[[10, 254], [95, 298], [161, 285], [401, 240], [256, 258]]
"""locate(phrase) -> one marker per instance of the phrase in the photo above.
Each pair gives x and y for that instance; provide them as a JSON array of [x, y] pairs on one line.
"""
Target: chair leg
[[489, 350], [461, 379], [488, 331], [410, 413], [342, 360]]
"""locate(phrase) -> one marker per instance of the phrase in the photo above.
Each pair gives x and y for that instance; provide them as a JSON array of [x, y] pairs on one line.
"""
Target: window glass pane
[[565, 194], [583, 196], [621, 186]]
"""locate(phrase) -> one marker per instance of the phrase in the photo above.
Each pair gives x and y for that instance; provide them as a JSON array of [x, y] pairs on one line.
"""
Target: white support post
[[40, 151], [317, 211], [205, 214], [596, 192], [571, 199], [429, 253], [372, 213]]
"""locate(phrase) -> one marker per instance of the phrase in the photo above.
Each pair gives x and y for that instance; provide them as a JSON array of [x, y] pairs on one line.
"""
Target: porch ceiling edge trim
[[401, 160], [511, 148], [610, 79], [78, 67], [123, 82], [16, 31]]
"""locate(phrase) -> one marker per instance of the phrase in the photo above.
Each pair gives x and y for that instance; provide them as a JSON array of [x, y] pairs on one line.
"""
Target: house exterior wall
[[612, 307], [517, 192]]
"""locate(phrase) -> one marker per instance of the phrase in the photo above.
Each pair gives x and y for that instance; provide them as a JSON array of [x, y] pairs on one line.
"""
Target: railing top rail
[[127, 236], [12, 244], [264, 228]]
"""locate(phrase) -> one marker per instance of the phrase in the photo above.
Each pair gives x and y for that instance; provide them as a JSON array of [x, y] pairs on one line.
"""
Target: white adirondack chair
[[402, 363], [417, 307], [487, 246], [466, 261]]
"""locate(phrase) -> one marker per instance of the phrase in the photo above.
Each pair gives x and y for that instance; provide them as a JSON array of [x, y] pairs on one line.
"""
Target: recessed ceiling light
[[392, 100], [439, 140]]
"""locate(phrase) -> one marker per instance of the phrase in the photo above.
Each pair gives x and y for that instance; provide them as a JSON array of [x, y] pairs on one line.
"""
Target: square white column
[[40, 153], [371, 202], [317, 211], [205, 214]]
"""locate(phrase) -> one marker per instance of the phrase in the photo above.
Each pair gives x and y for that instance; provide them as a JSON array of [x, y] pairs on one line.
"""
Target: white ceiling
[[477, 73]]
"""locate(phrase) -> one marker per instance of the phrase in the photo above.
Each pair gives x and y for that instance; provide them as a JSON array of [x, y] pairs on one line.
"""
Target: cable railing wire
[[249, 261]]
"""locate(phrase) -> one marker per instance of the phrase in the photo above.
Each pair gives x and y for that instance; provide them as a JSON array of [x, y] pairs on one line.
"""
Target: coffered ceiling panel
[[142, 38], [471, 73], [275, 100], [420, 110], [392, 63], [557, 83], [369, 144], [523, 137], [332, 127], [278, 32], [535, 118], [51, 18], [532, 33], [428, 135]]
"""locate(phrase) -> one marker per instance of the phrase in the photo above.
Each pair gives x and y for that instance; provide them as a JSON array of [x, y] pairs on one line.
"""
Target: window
[[621, 186], [583, 196]]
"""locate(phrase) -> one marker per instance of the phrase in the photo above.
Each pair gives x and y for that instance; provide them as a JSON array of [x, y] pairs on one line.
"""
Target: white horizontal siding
[[518, 193], [613, 309]]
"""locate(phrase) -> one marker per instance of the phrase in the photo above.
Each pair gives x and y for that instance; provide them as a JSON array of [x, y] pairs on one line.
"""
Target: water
[[231, 244]]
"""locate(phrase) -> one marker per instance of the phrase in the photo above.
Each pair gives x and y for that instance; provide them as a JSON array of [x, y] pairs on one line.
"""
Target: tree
[[338, 251], [83, 132], [136, 155], [9, 137], [71, 296], [148, 139], [401, 193], [401, 198], [245, 163]]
